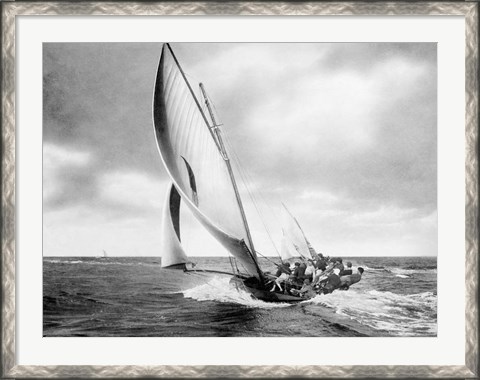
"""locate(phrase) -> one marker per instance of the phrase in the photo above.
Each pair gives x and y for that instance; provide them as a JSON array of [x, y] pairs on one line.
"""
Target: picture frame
[[12, 10]]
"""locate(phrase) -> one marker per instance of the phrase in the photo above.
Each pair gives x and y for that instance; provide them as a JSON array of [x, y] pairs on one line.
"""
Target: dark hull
[[265, 295]]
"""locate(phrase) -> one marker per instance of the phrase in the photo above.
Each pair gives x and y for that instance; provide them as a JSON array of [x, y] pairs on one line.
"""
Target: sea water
[[135, 297]]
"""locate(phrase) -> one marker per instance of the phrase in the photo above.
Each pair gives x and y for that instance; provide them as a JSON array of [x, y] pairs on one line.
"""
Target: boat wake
[[219, 289], [400, 315]]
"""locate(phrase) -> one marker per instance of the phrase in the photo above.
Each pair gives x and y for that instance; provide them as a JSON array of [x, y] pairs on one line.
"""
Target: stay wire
[[244, 175], [266, 258], [245, 178], [204, 109], [201, 100], [255, 202]]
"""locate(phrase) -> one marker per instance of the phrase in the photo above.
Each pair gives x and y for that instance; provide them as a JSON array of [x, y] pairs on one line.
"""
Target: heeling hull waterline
[[195, 158], [246, 283], [259, 292]]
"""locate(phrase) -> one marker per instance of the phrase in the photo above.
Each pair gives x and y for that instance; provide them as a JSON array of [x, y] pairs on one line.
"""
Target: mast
[[216, 131], [301, 230], [296, 222], [312, 251]]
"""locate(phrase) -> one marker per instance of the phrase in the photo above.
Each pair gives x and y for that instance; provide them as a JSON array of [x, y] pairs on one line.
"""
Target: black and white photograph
[[239, 189]]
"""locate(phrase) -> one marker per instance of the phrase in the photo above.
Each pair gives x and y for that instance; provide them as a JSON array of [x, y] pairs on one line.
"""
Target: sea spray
[[402, 315], [134, 296], [220, 290]]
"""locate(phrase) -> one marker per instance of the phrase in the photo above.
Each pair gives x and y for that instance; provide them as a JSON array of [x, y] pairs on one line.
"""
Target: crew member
[[347, 281], [348, 271]]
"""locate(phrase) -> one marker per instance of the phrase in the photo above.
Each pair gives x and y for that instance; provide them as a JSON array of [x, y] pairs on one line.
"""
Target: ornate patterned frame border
[[10, 10]]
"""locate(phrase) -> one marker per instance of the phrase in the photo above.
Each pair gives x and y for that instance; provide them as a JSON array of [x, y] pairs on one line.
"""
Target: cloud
[[132, 193], [122, 216], [78, 231], [71, 179], [368, 134], [342, 133], [67, 176], [98, 97]]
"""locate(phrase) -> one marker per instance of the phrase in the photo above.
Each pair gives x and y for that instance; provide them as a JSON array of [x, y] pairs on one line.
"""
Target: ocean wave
[[397, 270], [65, 261], [411, 271], [401, 315], [372, 268], [423, 266], [102, 262], [220, 290]]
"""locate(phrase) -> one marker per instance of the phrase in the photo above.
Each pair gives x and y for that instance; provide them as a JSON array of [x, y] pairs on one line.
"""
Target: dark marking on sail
[[159, 113], [175, 210], [193, 184]]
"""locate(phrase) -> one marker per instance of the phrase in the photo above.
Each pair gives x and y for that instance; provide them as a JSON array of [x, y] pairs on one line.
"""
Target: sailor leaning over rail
[[282, 275]]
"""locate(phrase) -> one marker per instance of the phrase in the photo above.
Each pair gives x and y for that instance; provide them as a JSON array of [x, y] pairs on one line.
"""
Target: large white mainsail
[[294, 242], [171, 248], [192, 157]]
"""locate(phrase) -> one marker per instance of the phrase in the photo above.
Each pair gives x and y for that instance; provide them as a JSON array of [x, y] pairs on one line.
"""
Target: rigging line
[[245, 180], [266, 258], [245, 269], [256, 205], [236, 266], [195, 80], [244, 175], [268, 204], [217, 133], [231, 264], [248, 178], [253, 197]]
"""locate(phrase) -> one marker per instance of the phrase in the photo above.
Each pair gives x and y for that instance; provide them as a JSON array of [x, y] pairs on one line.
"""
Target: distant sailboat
[[194, 155], [104, 253]]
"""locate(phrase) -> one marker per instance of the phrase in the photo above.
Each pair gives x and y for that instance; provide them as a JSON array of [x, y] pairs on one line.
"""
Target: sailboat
[[103, 255], [194, 155]]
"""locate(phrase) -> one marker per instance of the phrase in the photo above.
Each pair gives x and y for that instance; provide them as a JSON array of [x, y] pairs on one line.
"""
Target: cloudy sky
[[344, 134]]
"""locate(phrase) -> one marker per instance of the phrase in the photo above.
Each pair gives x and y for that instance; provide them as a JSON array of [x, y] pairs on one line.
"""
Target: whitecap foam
[[219, 289], [367, 268], [410, 271], [397, 270], [396, 313], [65, 261], [54, 261], [102, 262]]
